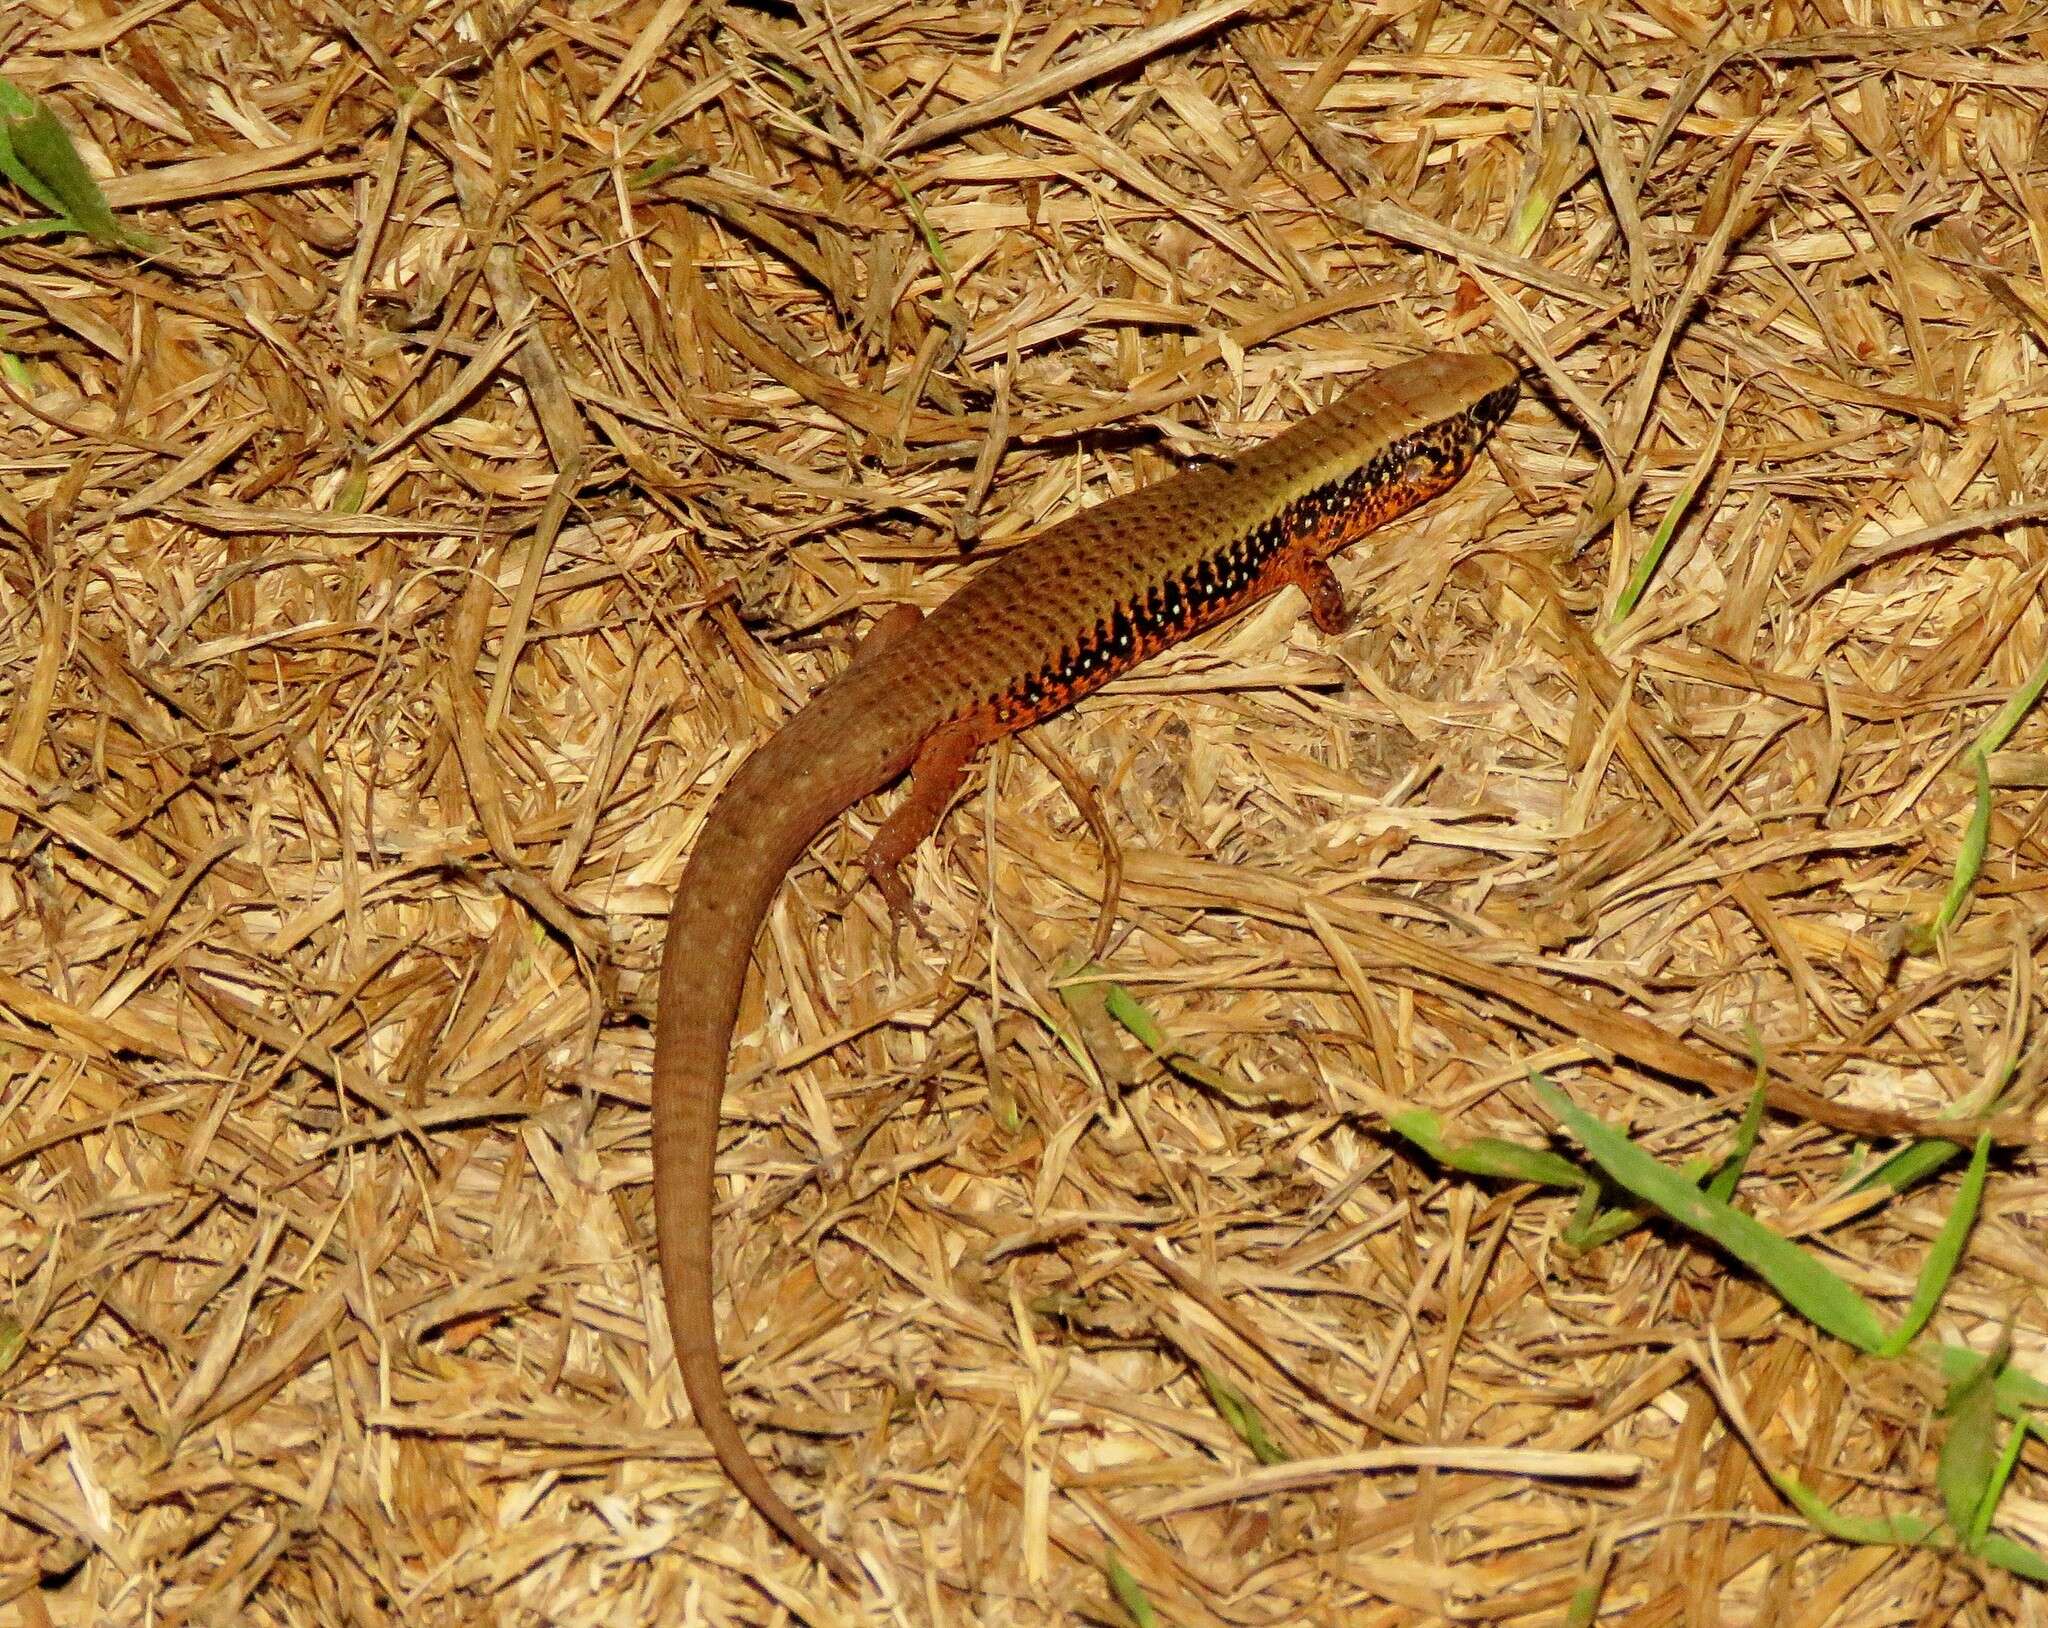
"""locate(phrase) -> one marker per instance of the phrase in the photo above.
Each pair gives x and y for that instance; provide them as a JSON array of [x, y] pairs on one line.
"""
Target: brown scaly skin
[[1042, 625]]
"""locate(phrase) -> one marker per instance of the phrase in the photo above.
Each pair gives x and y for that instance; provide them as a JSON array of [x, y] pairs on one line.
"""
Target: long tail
[[780, 799]]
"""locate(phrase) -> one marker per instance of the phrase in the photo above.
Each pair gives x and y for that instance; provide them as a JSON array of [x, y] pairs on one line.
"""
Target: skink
[[1042, 625]]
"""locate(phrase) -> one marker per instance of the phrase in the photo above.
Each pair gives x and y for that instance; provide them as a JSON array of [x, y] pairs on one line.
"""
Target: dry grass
[[528, 409]]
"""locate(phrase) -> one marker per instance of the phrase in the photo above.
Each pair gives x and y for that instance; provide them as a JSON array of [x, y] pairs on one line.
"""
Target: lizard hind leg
[[935, 775]]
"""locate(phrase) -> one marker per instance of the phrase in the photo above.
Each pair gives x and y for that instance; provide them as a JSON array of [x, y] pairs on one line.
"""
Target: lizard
[[1043, 624]]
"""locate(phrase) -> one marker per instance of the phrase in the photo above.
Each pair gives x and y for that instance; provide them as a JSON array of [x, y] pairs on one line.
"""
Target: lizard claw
[[903, 909]]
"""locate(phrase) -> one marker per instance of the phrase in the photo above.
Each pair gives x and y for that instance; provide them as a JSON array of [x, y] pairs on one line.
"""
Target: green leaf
[[1590, 1226], [18, 109], [2001, 1475], [1137, 1018], [1128, 1592], [37, 155], [1918, 1160], [1818, 1294], [1485, 1155], [2018, 1391], [933, 247], [1947, 1250], [1242, 1418], [2008, 716], [1923, 936], [1653, 556], [1128, 1010], [1906, 1531], [1578, 1230], [2016, 1557], [1722, 1187], [1911, 1164], [1970, 1453]]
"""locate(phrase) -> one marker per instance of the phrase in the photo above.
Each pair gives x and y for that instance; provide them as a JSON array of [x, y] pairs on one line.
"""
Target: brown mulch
[[527, 407]]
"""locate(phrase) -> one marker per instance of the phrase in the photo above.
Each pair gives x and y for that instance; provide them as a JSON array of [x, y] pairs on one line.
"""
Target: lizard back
[[1062, 613]]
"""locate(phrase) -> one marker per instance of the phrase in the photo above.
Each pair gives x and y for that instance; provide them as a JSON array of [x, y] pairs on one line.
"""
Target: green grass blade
[[1242, 1418], [1969, 1454], [1916, 1161], [1667, 528], [1909, 1166], [2015, 1557], [1129, 1593], [2001, 1477], [1132, 1013], [37, 155], [1923, 936], [1601, 1227], [1485, 1155], [1947, 1250], [1590, 1226], [17, 111], [1137, 1019], [1906, 1531], [1815, 1292], [2018, 1391], [933, 246], [1722, 1187], [2008, 717]]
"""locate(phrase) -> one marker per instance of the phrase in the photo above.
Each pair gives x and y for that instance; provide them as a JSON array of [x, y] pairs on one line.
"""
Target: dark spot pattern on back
[[1058, 617], [1247, 561]]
